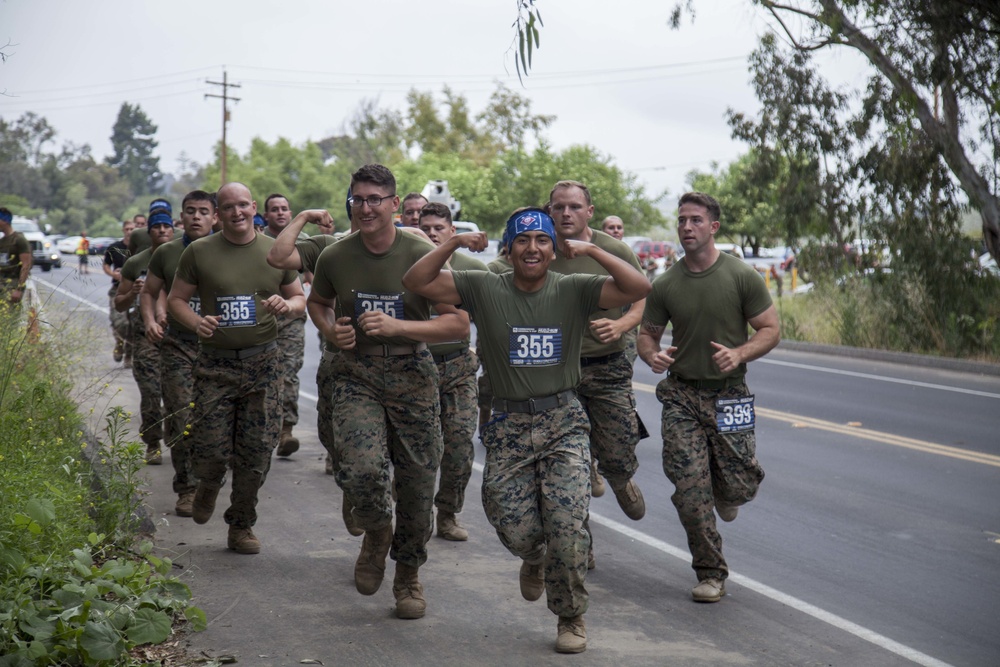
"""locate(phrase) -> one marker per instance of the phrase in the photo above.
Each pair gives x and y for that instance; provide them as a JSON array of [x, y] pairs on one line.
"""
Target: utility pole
[[225, 113]]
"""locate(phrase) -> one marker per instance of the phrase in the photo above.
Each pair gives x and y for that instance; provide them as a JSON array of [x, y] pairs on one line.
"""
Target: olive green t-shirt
[[458, 262], [362, 281], [231, 281], [530, 340], [310, 249], [713, 305], [592, 347], [163, 265], [500, 265], [12, 246]]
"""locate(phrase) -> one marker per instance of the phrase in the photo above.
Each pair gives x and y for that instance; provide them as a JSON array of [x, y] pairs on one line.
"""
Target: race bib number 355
[[390, 304], [535, 346], [735, 414], [236, 311]]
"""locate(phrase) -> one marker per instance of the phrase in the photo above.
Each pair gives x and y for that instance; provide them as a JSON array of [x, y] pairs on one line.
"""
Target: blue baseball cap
[[529, 220]]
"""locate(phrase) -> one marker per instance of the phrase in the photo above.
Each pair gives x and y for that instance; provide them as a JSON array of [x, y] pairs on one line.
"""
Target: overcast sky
[[614, 74]]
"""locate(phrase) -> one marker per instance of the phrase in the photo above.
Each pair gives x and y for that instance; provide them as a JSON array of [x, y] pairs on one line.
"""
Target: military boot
[[204, 502], [409, 593], [288, 444], [449, 529], [153, 455], [369, 569], [349, 521], [572, 636], [630, 499]]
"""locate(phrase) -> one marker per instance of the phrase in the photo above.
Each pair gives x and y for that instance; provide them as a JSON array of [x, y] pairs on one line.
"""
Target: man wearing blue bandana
[[178, 344], [15, 261], [145, 353], [531, 323]]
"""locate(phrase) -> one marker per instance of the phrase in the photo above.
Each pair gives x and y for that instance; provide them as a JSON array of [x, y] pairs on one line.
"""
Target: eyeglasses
[[373, 201]]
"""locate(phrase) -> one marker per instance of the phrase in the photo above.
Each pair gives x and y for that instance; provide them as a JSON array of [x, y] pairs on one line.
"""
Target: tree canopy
[[134, 145]]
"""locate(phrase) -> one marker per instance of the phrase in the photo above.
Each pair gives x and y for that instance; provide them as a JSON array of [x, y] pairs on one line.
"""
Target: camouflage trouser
[[177, 357], [375, 398], [292, 343], [459, 420], [605, 390], [146, 371], [705, 466], [325, 375], [630, 345], [536, 493], [119, 324], [485, 391], [236, 421]]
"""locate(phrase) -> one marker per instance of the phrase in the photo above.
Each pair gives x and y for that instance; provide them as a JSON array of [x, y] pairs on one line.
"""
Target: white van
[[462, 226]]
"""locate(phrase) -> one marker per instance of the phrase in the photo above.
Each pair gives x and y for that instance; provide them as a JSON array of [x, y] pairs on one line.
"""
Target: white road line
[[100, 309], [880, 378]]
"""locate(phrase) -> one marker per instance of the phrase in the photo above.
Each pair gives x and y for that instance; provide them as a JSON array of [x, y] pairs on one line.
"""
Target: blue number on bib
[[535, 346], [195, 303], [390, 304], [733, 415], [236, 311]]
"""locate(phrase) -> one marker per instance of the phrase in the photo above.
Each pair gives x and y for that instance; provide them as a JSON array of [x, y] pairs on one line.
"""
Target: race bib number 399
[[390, 304], [535, 346], [733, 415], [236, 311]]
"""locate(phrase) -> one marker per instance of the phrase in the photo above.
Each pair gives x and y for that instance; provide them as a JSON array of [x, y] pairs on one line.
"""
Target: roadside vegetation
[[78, 583]]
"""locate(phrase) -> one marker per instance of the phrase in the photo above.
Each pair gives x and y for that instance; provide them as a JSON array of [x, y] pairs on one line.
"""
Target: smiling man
[[709, 446], [536, 489], [236, 418], [385, 383]]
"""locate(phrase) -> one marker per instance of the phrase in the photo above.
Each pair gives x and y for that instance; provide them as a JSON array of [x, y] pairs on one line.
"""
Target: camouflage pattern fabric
[[605, 390], [146, 371], [631, 351], [374, 398], [325, 375], [119, 323], [485, 391], [536, 493], [177, 359], [459, 420], [292, 343], [705, 466], [236, 422]]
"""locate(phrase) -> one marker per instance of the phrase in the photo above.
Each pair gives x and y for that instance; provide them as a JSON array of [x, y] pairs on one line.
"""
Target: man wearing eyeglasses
[[386, 384]]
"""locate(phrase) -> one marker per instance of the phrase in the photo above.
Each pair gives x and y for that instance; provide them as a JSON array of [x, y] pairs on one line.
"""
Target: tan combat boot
[[449, 529], [349, 521], [572, 635], [288, 444], [409, 593], [185, 504], [369, 569], [532, 579], [630, 499], [243, 541], [204, 502], [596, 481]]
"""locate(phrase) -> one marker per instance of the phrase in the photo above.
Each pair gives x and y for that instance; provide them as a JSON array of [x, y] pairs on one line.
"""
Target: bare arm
[[452, 324], [148, 299], [283, 254], [426, 276], [322, 311], [608, 330], [625, 285], [177, 303], [767, 334], [127, 293], [648, 347], [291, 302]]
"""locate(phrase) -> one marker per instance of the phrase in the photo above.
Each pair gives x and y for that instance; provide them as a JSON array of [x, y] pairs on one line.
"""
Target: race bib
[[535, 346], [390, 304], [236, 311], [195, 304], [5, 259], [733, 415]]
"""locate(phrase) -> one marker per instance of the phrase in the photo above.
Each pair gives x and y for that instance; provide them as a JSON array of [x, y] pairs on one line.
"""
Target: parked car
[[42, 252], [647, 250], [99, 244], [462, 226]]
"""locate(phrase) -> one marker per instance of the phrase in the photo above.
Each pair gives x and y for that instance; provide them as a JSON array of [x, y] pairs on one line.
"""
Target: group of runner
[[555, 316]]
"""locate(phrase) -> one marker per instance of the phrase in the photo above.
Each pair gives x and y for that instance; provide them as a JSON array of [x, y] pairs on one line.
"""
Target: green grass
[[77, 586]]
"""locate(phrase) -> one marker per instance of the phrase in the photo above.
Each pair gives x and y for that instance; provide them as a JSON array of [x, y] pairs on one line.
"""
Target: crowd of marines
[[209, 309]]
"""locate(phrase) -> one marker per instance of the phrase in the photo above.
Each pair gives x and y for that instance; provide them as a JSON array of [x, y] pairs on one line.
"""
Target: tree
[[920, 51], [133, 143]]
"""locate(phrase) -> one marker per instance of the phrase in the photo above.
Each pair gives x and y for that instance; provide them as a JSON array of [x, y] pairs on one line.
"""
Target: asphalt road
[[875, 539]]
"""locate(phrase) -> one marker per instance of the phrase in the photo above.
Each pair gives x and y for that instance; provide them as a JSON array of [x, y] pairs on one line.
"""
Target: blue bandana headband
[[529, 220], [259, 221], [161, 217], [7, 217]]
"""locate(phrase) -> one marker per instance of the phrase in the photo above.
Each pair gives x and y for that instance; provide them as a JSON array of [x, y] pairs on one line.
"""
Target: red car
[[646, 250]]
